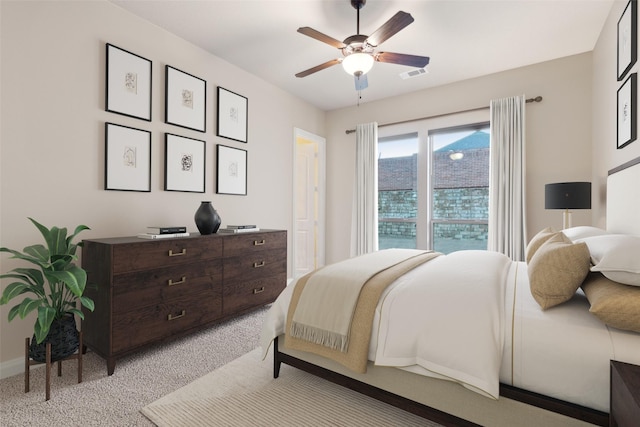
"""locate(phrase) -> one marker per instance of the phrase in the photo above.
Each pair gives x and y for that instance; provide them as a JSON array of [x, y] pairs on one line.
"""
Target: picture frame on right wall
[[626, 112], [627, 39]]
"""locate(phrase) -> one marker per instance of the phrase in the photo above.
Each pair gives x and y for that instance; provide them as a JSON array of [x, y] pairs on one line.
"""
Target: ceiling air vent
[[413, 73]]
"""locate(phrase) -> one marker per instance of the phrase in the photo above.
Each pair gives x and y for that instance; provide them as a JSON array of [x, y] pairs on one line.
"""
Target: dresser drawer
[[243, 295], [138, 289], [240, 244], [154, 254], [255, 265], [162, 320]]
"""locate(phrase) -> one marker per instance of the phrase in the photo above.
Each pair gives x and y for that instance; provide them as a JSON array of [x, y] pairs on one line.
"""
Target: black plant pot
[[64, 339]]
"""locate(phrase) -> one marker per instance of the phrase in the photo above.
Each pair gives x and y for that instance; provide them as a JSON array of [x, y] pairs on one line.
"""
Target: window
[[460, 188], [433, 189], [397, 191]]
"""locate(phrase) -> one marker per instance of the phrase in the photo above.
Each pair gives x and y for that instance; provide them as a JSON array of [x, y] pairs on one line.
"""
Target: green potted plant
[[54, 289]]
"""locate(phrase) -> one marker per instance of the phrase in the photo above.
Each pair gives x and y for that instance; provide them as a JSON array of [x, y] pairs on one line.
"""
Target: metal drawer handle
[[258, 243], [184, 252], [171, 282], [172, 317], [257, 291], [258, 264]]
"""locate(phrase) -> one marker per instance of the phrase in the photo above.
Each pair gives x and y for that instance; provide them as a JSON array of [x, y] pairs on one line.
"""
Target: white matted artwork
[[232, 170], [232, 115], [184, 168], [185, 100], [626, 127], [627, 39], [128, 84], [127, 158]]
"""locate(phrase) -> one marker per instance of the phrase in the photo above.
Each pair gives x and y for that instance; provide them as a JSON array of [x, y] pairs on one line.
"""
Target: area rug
[[244, 393]]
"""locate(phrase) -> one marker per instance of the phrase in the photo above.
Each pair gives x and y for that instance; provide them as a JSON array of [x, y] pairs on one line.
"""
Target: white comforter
[[458, 295]]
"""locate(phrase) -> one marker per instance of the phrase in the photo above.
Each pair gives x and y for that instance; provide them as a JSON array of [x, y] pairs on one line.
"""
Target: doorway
[[308, 202]]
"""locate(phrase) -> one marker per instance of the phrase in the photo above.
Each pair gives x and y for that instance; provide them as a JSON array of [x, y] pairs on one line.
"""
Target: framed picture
[[185, 100], [232, 170], [232, 115], [184, 164], [127, 158], [627, 35], [128, 84], [627, 111]]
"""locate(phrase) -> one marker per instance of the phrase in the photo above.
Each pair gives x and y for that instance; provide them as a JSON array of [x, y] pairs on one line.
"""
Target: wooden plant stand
[[28, 362]]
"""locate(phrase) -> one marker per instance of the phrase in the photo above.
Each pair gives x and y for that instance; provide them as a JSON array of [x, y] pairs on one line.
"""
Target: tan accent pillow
[[557, 270], [615, 304], [537, 241]]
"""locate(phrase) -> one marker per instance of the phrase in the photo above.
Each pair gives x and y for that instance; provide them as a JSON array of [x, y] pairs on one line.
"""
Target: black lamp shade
[[567, 195]]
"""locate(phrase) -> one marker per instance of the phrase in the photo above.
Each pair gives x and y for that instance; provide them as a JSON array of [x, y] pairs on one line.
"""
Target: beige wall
[[605, 86], [558, 135], [52, 132]]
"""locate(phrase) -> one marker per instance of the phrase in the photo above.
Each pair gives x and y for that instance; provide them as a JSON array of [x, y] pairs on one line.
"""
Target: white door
[[308, 239]]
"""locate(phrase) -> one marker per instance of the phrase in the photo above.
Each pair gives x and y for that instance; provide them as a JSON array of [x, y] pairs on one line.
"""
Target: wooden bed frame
[[618, 220], [446, 419]]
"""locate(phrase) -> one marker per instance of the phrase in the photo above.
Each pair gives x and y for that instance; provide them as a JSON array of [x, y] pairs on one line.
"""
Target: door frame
[[320, 244]]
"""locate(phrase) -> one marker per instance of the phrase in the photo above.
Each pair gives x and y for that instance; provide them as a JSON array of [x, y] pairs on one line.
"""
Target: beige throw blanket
[[330, 308]]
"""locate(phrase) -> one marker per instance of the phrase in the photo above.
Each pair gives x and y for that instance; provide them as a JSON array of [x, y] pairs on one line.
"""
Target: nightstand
[[625, 395]]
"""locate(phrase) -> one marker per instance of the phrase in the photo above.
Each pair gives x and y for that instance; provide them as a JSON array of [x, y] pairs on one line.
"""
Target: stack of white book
[[164, 232], [239, 229]]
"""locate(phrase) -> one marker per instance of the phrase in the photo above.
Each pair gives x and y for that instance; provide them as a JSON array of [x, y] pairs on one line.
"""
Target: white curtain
[[364, 221], [507, 232]]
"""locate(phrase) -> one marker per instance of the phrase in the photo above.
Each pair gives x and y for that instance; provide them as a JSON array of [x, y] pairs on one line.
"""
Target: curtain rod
[[536, 99]]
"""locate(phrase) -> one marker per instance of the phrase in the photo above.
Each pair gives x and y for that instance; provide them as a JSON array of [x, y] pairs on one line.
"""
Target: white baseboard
[[14, 367]]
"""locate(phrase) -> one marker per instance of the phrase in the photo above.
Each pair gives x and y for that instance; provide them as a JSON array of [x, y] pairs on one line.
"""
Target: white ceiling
[[463, 38]]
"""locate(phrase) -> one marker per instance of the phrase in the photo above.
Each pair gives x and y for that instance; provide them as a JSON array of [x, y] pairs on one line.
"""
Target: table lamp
[[567, 195]]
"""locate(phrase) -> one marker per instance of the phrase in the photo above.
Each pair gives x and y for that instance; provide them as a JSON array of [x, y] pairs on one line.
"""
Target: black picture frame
[[626, 112], [627, 39], [232, 118], [127, 158], [185, 99], [128, 83], [184, 164], [231, 170]]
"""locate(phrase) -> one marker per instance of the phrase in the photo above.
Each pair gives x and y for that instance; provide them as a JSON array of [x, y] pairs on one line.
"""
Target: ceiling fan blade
[[318, 68], [389, 28], [403, 59], [361, 81], [308, 31]]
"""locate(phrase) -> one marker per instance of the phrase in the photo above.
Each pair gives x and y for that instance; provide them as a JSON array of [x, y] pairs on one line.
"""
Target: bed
[[537, 353]]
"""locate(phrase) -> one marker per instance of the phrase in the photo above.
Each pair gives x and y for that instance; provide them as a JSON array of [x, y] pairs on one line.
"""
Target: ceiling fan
[[359, 51]]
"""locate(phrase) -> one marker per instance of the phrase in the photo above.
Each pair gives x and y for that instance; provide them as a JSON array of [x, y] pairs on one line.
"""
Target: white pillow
[[583, 231], [617, 256]]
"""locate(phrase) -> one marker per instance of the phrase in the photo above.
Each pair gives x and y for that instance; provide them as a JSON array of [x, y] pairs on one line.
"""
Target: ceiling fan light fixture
[[357, 63]]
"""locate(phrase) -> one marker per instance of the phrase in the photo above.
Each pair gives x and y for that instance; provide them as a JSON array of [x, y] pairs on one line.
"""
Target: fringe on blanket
[[319, 336]]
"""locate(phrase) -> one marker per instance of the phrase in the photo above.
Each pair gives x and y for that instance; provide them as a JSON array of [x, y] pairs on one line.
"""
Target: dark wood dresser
[[146, 291]]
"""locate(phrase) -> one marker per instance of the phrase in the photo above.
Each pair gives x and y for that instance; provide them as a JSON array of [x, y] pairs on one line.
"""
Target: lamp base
[[566, 219]]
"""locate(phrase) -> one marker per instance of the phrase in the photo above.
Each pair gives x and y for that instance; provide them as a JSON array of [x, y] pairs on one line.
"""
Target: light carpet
[[244, 393]]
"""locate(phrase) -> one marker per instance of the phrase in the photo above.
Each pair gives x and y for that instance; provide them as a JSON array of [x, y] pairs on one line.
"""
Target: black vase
[[207, 219], [64, 339]]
